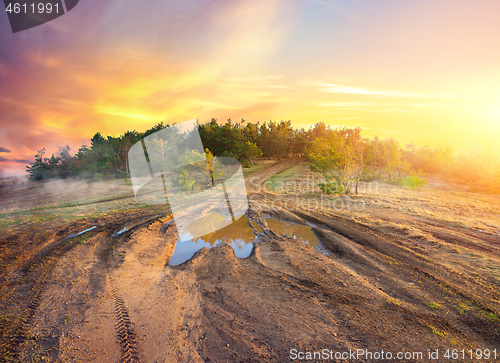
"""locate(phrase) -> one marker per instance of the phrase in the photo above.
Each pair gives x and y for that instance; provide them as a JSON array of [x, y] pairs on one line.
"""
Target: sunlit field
[[250, 181]]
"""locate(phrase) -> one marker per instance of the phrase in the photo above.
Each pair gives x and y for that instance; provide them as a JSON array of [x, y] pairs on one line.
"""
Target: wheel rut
[[127, 336], [22, 328]]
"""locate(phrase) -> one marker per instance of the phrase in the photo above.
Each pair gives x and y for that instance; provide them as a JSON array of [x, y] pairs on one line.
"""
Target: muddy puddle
[[239, 235], [256, 226], [299, 232], [80, 233]]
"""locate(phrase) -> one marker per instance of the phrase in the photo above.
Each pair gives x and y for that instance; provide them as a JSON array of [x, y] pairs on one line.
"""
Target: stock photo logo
[[29, 14], [205, 193]]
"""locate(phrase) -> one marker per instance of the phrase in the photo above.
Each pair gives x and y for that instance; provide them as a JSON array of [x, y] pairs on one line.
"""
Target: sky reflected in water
[[297, 231], [238, 234]]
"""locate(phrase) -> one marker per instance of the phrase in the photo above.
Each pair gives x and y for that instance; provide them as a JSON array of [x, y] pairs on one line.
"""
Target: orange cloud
[[125, 65]]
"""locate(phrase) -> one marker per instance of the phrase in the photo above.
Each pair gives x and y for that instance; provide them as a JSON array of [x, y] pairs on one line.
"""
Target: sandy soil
[[393, 280]]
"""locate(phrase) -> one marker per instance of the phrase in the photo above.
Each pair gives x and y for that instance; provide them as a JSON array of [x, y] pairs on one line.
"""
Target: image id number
[[41, 8]]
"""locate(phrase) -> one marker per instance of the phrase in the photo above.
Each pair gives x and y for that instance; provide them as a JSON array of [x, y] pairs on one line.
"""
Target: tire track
[[36, 271], [21, 331], [127, 336]]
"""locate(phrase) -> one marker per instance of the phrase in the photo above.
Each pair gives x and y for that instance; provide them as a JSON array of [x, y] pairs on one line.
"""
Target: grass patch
[[40, 186], [490, 316], [493, 317], [13, 222], [463, 308], [291, 180], [255, 168], [436, 331], [412, 181], [443, 286], [434, 305], [393, 302], [276, 181]]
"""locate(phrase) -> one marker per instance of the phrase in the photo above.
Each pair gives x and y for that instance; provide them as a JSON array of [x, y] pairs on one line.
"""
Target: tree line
[[107, 157], [342, 155]]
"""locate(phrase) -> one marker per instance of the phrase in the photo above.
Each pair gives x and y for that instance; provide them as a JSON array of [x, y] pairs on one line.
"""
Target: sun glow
[[434, 84]]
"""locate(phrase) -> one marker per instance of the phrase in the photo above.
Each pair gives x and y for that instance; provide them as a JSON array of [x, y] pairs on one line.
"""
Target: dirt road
[[100, 298]]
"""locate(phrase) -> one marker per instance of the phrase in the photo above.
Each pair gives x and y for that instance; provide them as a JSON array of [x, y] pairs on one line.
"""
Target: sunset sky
[[423, 71]]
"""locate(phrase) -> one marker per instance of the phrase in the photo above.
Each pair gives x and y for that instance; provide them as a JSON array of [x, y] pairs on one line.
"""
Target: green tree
[[37, 170], [338, 156]]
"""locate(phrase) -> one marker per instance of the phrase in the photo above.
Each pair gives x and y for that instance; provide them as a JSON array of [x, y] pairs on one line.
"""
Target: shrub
[[368, 176], [412, 181], [332, 188]]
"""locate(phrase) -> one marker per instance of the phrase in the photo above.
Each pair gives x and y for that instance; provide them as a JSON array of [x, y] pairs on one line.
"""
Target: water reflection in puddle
[[238, 234], [256, 226], [296, 231], [80, 233]]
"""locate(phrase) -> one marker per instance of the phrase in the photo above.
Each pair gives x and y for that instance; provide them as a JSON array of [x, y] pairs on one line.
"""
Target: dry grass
[[30, 195], [408, 216], [259, 165], [448, 203]]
